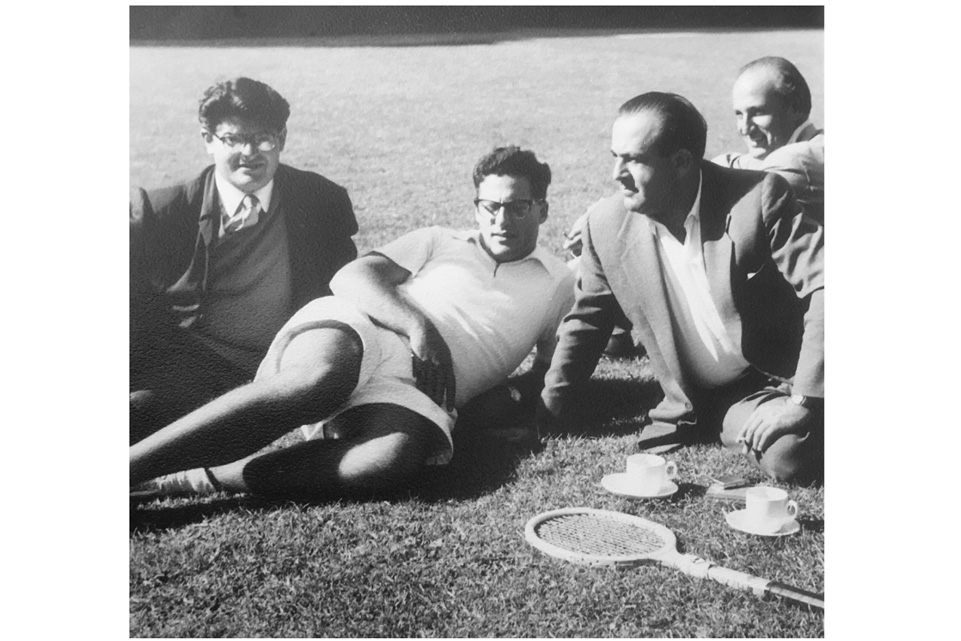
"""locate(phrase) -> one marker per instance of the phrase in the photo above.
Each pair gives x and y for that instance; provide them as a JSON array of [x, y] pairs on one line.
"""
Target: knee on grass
[[792, 459]]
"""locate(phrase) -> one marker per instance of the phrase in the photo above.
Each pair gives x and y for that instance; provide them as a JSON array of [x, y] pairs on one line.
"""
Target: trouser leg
[[171, 374], [793, 458]]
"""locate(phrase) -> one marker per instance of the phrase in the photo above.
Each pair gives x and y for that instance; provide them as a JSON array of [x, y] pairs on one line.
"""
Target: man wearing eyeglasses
[[431, 323], [218, 264]]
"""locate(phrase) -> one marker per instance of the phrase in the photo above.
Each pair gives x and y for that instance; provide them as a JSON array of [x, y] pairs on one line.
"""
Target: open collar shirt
[[703, 343]]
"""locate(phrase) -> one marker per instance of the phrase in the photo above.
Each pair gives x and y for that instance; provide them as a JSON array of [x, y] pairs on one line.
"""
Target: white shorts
[[386, 374]]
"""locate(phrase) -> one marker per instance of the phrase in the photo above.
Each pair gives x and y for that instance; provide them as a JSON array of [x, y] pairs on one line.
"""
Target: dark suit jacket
[[764, 263], [173, 230]]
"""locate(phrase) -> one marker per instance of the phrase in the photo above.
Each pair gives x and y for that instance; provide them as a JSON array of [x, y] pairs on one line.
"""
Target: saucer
[[738, 521], [621, 484]]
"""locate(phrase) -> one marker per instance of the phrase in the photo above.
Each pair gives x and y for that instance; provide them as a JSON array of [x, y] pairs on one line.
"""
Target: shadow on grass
[[424, 26], [152, 515], [485, 459], [614, 407], [812, 525]]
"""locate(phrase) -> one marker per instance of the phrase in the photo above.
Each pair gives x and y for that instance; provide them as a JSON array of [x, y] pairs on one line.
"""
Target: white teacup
[[768, 508], [650, 473]]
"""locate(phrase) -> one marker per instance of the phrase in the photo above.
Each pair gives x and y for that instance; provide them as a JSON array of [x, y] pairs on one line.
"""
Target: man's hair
[[245, 98], [682, 125], [514, 161], [788, 83]]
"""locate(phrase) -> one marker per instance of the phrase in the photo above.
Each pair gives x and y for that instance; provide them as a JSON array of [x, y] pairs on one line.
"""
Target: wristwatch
[[808, 402]]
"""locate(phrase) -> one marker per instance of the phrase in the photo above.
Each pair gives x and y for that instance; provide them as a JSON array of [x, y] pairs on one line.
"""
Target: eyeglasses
[[516, 209], [261, 142]]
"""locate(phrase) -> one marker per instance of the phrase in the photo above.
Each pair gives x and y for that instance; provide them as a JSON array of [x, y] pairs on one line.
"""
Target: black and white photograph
[[438, 314], [483, 321]]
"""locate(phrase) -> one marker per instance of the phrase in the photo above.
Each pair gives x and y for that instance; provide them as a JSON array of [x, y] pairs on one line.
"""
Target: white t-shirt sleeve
[[412, 250], [564, 300]]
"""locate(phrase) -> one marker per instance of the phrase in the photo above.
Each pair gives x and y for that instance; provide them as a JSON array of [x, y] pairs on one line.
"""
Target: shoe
[[186, 483]]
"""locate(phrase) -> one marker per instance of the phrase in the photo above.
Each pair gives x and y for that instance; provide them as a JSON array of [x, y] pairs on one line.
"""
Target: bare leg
[[383, 447], [318, 372]]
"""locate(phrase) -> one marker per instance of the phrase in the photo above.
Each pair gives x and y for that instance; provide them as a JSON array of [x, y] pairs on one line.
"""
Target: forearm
[[372, 284], [809, 376], [582, 335], [797, 248]]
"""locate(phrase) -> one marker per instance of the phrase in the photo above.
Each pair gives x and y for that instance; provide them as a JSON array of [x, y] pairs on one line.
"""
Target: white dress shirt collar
[[230, 196]]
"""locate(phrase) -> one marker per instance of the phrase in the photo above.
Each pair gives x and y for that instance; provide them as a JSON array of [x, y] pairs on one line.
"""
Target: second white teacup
[[650, 473], [768, 508]]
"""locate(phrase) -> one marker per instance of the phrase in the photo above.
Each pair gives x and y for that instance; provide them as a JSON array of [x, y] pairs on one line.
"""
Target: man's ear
[[683, 160], [544, 208], [282, 139], [208, 140]]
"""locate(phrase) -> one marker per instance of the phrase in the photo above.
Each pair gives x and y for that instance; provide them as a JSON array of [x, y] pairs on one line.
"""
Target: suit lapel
[[209, 222], [640, 262], [718, 248]]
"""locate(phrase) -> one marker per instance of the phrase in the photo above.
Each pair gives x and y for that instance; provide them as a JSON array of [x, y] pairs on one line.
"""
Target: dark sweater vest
[[249, 293]]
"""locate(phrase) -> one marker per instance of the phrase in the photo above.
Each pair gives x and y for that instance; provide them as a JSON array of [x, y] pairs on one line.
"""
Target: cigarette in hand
[[743, 441]]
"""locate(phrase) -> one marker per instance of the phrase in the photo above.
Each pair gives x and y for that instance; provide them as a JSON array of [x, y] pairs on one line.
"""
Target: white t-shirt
[[489, 313]]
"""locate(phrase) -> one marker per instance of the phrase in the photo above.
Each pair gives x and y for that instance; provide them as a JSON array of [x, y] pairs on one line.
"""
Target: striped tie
[[247, 215]]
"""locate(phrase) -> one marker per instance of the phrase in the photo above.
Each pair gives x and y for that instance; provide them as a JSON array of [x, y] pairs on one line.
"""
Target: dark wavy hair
[[514, 161], [788, 83], [682, 125], [245, 98]]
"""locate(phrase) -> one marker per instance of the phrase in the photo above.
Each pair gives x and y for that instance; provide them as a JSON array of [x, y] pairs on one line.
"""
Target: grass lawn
[[400, 128]]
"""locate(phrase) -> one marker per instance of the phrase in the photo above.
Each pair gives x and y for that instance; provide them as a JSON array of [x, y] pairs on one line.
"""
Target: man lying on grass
[[374, 374]]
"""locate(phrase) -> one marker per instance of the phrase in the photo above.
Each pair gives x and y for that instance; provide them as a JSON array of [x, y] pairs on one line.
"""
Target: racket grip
[[796, 594], [737, 579]]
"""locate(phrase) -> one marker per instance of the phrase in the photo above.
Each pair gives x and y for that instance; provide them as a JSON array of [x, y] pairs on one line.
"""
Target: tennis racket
[[600, 537]]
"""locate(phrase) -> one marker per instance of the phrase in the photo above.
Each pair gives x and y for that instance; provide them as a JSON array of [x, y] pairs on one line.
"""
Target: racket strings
[[598, 535]]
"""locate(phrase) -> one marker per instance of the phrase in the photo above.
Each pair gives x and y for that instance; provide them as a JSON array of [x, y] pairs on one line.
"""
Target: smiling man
[[722, 278], [218, 264], [772, 108], [374, 375]]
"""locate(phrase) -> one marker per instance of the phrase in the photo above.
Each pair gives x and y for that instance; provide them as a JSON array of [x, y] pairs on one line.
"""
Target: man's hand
[[772, 420], [432, 364], [572, 240]]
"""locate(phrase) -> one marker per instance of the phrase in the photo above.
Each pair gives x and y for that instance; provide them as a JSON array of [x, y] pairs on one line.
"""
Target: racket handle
[[796, 594], [698, 567], [761, 586]]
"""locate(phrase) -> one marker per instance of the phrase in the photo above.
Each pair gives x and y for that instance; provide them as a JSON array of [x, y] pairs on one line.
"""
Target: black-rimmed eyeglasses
[[261, 142], [516, 209]]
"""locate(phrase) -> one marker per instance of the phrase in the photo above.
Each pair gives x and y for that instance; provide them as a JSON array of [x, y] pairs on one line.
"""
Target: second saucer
[[624, 484]]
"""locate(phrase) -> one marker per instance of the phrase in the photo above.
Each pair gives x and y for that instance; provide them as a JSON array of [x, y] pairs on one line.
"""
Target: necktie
[[247, 215]]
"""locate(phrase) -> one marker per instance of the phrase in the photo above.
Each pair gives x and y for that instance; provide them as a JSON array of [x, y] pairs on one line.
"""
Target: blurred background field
[[400, 124]]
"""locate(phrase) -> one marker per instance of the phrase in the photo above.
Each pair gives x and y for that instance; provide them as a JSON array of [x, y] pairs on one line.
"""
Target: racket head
[[588, 536]]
